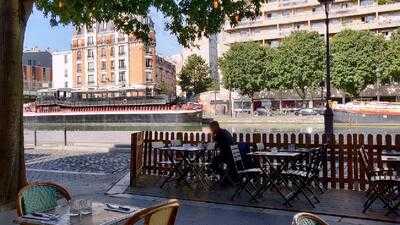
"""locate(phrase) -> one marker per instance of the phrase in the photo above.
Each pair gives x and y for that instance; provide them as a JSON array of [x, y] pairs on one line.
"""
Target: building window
[[121, 64], [66, 84], [112, 64], [78, 79], [66, 73], [121, 38], [112, 77], [269, 15], [65, 59], [78, 55], [121, 50], [103, 52], [29, 62], [121, 77], [78, 68], [33, 73], [149, 77], [148, 63], [103, 65], [103, 26], [91, 79], [103, 77], [90, 66], [25, 72], [285, 13], [90, 54], [112, 51], [90, 29], [90, 40]]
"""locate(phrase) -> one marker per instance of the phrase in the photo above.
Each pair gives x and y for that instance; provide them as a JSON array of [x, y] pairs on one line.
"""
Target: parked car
[[306, 112], [261, 111]]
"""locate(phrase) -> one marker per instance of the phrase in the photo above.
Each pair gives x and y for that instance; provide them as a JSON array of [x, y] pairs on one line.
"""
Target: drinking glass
[[85, 207], [74, 208]]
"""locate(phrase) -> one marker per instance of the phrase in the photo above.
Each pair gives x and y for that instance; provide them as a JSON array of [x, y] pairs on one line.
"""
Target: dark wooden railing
[[341, 166]]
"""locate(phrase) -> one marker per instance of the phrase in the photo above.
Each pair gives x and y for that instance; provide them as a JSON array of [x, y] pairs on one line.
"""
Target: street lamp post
[[328, 115]]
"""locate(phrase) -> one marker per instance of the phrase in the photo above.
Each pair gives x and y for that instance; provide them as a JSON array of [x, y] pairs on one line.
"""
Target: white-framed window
[[103, 77], [121, 50], [66, 84], [121, 77], [90, 66], [90, 78], [112, 64], [78, 79], [65, 59], [66, 73], [90, 53], [103, 65], [149, 76], [121, 64], [90, 40], [103, 52]]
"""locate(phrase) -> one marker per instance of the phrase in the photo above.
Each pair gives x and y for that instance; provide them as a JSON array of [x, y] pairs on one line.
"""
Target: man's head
[[214, 126]]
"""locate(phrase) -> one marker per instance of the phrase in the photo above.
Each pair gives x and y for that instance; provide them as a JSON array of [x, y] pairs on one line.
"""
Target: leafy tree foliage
[[391, 71], [244, 68], [299, 62], [188, 19], [357, 60], [195, 76]]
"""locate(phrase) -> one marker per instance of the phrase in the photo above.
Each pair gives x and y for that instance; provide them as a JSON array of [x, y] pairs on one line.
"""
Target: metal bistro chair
[[201, 166], [172, 164], [382, 185], [247, 176], [40, 197], [302, 176], [161, 214], [307, 219]]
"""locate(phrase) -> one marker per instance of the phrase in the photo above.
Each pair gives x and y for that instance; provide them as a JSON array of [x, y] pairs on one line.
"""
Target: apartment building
[[103, 58], [166, 76], [281, 17], [62, 69], [36, 69]]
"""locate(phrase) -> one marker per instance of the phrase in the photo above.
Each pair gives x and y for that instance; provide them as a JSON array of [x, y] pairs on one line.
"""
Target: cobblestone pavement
[[83, 173]]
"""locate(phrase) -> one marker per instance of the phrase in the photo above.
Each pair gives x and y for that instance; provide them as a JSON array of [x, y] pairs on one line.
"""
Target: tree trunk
[[13, 17]]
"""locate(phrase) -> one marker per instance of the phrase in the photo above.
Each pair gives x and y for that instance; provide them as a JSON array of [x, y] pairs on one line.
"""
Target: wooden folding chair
[[161, 214]]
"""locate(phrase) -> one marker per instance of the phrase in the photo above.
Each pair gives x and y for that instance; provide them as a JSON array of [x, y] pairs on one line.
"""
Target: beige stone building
[[103, 58], [279, 18]]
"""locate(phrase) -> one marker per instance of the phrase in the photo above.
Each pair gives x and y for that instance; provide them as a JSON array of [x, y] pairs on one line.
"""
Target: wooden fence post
[[136, 156]]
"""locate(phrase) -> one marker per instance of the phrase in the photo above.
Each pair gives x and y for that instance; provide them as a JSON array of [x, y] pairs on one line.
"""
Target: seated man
[[223, 141]]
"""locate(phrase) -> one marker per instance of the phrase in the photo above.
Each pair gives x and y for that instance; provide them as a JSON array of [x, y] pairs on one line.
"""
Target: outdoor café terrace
[[353, 176]]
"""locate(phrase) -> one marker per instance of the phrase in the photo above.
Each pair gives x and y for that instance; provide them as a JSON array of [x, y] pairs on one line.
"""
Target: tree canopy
[[357, 58], [195, 77], [391, 62], [299, 61], [187, 19], [243, 68]]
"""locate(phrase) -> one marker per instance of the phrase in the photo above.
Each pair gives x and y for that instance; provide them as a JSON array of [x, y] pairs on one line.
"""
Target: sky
[[40, 34]]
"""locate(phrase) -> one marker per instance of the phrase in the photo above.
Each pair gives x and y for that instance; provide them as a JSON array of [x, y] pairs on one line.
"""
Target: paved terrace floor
[[90, 175], [342, 203]]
